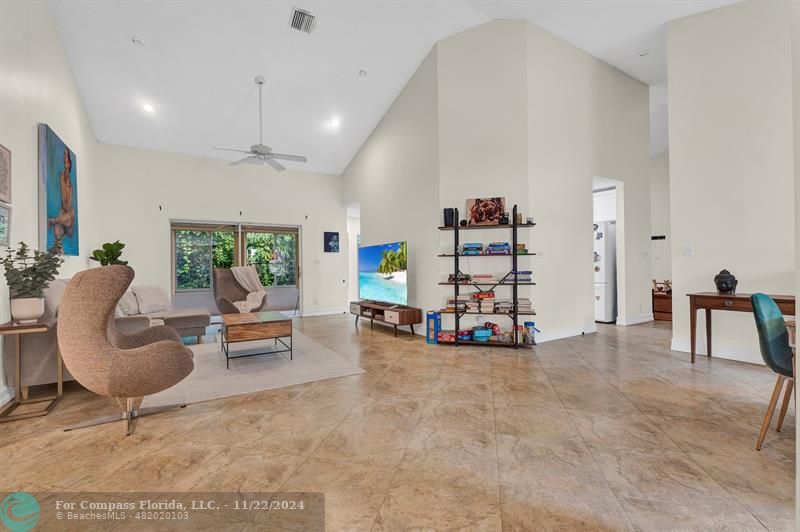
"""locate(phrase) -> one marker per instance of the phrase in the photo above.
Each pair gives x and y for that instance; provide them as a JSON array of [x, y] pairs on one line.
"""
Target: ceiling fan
[[260, 154]]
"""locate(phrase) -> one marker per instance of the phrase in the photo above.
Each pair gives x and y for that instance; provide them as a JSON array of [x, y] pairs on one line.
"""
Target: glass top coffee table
[[255, 326]]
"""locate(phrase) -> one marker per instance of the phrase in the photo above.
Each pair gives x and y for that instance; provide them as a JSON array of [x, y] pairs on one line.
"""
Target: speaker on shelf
[[449, 218]]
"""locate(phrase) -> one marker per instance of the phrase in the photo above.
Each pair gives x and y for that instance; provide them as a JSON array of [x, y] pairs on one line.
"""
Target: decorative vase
[[726, 282], [27, 309]]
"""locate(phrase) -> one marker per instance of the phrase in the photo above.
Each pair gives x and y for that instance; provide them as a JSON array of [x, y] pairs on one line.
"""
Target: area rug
[[312, 361]]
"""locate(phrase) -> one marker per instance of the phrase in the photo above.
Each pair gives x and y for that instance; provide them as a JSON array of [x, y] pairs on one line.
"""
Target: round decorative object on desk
[[726, 282]]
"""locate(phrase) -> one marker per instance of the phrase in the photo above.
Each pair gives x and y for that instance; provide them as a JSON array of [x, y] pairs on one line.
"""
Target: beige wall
[[36, 85], [731, 162], [660, 250], [394, 178], [136, 182]]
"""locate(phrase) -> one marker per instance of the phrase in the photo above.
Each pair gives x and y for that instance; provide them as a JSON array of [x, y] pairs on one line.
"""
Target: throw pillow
[[151, 299], [128, 304]]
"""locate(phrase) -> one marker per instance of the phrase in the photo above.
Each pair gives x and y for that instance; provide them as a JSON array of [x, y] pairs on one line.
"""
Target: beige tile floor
[[610, 431]]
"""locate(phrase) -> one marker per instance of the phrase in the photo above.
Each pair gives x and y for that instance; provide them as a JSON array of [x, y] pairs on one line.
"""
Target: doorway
[[604, 259]]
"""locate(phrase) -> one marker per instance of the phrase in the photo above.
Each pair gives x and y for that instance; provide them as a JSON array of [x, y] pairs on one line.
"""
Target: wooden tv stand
[[395, 315]]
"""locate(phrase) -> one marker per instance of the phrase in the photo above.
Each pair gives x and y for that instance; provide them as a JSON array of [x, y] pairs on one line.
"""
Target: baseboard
[[740, 355], [324, 311], [642, 318], [6, 394]]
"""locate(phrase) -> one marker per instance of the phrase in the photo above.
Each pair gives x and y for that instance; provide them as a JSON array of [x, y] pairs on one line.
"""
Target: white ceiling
[[201, 57]]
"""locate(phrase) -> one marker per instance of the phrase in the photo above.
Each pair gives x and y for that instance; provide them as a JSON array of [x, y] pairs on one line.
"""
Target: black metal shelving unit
[[456, 255]]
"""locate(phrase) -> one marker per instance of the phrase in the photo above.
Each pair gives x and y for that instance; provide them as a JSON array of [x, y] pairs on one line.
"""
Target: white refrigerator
[[605, 272]]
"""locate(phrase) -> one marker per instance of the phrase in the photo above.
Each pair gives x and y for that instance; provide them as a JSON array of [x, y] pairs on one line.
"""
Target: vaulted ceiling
[[194, 63]]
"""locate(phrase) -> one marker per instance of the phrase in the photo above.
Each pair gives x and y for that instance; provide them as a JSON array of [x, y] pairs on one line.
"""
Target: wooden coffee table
[[255, 326]]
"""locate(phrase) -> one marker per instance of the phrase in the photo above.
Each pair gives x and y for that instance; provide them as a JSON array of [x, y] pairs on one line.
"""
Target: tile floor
[[610, 431]]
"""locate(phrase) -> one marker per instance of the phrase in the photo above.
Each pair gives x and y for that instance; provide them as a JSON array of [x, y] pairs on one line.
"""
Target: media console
[[395, 315]]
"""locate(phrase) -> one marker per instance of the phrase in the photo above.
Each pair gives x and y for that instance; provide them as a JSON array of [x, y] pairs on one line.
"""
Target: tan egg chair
[[108, 362]]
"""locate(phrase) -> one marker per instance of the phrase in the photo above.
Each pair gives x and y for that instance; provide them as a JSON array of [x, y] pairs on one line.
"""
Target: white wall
[[660, 250], [731, 163], [135, 182], [585, 119], [483, 135], [796, 90], [604, 205], [394, 177], [36, 85], [524, 115]]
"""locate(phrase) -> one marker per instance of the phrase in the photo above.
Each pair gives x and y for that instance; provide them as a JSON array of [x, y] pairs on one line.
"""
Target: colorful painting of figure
[[58, 193]]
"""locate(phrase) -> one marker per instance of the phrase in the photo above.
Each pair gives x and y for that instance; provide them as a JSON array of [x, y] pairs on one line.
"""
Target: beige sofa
[[138, 310], [153, 302]]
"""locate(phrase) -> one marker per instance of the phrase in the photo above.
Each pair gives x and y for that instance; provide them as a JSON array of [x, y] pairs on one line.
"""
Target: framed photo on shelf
[[5, 174], [5, 224], [485, 211]]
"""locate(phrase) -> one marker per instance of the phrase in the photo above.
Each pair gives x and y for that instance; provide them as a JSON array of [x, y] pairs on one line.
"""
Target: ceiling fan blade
[[248, 160], [288, 157], [233, 149], [275, 164]]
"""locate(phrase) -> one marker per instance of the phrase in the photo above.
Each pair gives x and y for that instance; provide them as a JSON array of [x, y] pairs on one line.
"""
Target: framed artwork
[[485, 211], [58, 193], [331, 242], [5, 174], [5, 224]]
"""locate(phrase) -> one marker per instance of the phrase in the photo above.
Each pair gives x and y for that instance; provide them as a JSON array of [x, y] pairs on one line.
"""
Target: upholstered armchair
[[227, 290], [111, 363]]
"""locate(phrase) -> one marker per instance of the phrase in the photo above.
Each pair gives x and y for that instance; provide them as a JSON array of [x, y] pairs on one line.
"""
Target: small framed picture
[[5, 224], [5, 174], [485, 211], [331, 242]]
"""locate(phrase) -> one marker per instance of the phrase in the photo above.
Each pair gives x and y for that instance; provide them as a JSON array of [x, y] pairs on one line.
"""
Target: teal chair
[[773, 339]]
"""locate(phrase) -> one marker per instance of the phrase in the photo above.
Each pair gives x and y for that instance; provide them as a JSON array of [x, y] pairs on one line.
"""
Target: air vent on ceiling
[[303, 20]]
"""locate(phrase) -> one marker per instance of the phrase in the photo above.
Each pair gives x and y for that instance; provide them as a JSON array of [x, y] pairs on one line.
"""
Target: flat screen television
[[382, 273]]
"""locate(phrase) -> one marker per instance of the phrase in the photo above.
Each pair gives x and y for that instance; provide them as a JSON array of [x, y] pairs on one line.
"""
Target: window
[[274, 255], [198, 248]]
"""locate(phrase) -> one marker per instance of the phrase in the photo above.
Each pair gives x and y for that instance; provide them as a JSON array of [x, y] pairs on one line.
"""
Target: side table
[[20, 330]]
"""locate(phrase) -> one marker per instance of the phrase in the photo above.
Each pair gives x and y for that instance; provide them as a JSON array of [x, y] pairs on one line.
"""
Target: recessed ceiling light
[[148, 108], [362, 72], [334, 123], [138, 41], [644, 53]]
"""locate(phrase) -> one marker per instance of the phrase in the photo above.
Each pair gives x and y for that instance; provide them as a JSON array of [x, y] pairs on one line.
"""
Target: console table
[[19, 330], [709, 301]]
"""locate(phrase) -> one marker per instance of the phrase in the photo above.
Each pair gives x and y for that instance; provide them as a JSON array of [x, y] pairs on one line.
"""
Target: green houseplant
[[28, 272], [109, 253]]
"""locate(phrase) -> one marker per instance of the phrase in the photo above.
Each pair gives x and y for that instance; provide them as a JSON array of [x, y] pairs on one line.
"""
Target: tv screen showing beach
[[382, 273]]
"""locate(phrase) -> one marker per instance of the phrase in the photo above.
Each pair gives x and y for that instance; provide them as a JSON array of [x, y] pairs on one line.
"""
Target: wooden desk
[[20, 330], [709, 301]]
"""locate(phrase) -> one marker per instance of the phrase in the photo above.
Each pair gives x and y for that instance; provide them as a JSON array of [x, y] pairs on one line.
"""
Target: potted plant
[[109, 254], [28, 272]]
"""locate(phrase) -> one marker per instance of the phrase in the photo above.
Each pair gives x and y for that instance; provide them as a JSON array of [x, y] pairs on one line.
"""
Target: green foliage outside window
[[196, 252]]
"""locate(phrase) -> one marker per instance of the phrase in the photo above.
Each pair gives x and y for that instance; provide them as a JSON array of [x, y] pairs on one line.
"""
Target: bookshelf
[[514, 284]]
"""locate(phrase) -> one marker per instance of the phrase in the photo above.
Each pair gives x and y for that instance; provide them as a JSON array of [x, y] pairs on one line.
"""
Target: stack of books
[[503, 305], [499, 248], [523, 276], [472, 248], [487, 278], [457, 305], [521, 249], [524, 305], [485, 301]]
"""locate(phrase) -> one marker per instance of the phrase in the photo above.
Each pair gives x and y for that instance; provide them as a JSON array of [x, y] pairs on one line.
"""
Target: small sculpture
[[726, 282]]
